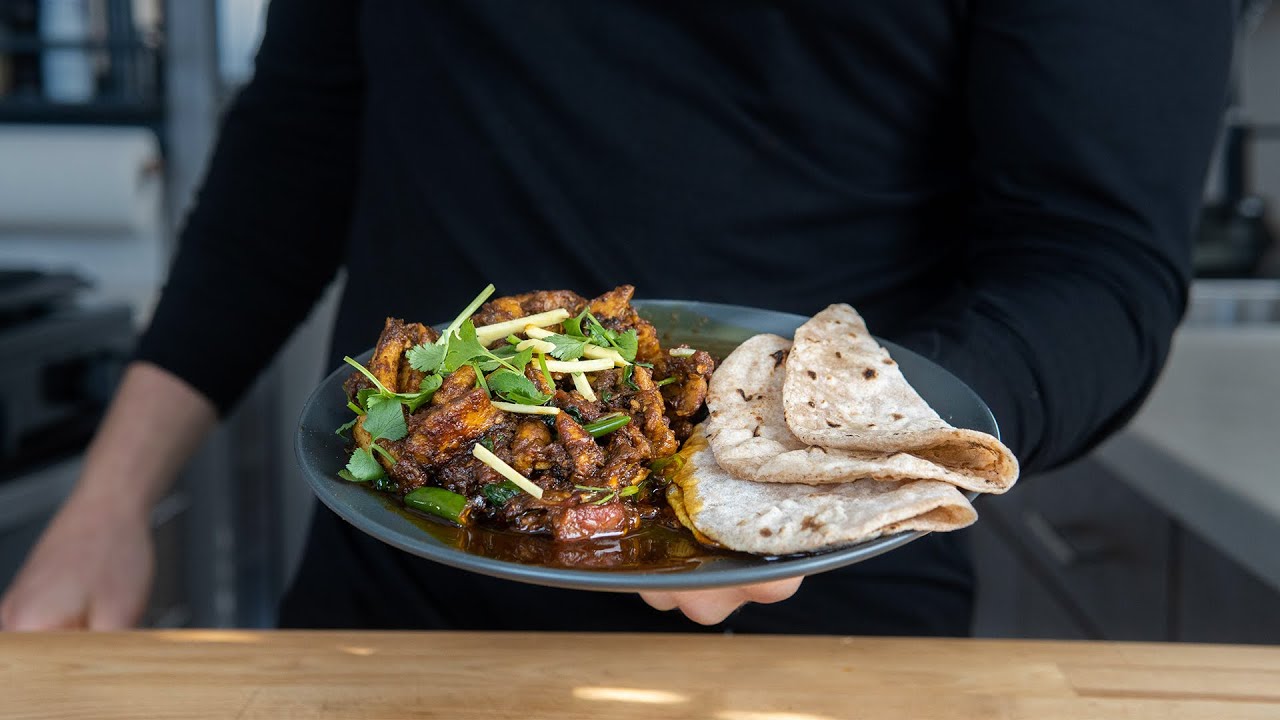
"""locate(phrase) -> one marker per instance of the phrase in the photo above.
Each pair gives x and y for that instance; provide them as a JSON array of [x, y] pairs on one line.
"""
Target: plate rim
[[620, 580]]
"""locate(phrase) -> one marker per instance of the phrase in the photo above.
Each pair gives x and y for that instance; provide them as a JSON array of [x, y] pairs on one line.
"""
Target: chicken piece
[[444, 431], [407, 474], [461, 382], [354, 383], [628, 444], [613, 310], [516, 306], [628, 454], [646, 408], [688, 394], [579, 522], [573, 402], [388, 363], [529, 447], [584, 453], [682, 428], [466, 475], [534, 372]]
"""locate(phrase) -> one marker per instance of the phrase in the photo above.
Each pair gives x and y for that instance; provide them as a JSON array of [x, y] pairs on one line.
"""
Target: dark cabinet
[[1075, 553]]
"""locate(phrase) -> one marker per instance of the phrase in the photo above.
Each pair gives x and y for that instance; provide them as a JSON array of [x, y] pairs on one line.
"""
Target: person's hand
[[91, 569], [708, 607]]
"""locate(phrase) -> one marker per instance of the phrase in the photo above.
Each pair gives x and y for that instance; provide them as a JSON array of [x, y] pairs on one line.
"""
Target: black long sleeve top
[[1006, 186]]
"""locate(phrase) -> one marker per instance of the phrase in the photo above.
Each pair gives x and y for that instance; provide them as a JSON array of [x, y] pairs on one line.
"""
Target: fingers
[[660, 600], [772, 592], [56, 613], [709, 607], [705, 607], [114, 609]]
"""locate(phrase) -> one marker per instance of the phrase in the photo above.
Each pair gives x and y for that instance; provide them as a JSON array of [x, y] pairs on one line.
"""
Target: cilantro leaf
[[346, 426], [463, 347], [627, 343], [426, 358], [431, 383], [586, 327], [573, 326], [516, 388], [626, 377], [507, 357], [362, 397], [598, 334], [499, 494], [361, 468], [426, 389], [567, 348], [385, 419], [522, 359]]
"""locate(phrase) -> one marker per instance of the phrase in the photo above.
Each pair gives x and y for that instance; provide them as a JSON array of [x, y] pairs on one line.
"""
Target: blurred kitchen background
[[108, 108]]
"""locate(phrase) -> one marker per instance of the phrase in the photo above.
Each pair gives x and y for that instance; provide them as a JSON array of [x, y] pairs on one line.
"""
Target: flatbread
[[781, 519], [749, 435], [843, 391]]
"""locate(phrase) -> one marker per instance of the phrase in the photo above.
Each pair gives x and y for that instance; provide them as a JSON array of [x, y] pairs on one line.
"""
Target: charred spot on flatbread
[[785, 518], [752, 440], [821, 411]]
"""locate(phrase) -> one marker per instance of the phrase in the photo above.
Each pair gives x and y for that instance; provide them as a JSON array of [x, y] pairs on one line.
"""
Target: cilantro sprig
[[383, 410], [464, 349], [516, 388], [610, 493], [567, 348], [362, 467], [586, 328]]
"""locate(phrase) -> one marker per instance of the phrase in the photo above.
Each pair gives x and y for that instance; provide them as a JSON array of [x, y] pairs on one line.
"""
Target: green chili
[[439, 502], [606, 425], [667, 466]]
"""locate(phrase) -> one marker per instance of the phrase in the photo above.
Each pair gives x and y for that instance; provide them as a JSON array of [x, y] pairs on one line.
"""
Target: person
[[1006, 187]]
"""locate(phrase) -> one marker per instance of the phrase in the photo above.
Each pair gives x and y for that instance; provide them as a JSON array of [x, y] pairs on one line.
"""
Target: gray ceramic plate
[[654, 560]]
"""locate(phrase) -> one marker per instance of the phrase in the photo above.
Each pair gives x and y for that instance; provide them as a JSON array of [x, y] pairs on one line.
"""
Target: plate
[[643, 562]]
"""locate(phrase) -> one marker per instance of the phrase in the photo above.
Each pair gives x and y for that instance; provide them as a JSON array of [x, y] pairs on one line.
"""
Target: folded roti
[[750, 438], [781, 519], [843, 391]]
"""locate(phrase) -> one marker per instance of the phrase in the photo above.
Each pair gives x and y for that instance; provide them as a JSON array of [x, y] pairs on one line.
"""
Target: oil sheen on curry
[[538, 414]]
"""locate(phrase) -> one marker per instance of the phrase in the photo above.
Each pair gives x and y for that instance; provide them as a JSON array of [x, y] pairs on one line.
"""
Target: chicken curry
[[542, 413]]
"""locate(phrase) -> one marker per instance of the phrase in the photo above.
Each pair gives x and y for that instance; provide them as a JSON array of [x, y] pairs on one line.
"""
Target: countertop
[[237, 674]]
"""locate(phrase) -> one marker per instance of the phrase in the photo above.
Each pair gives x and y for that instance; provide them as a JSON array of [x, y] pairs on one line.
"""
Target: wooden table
[[232, 674]]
